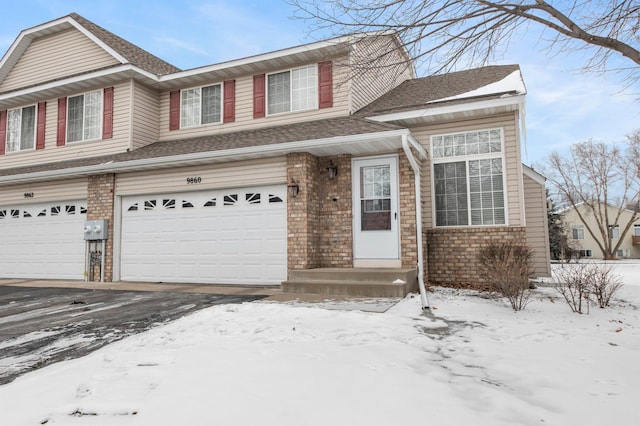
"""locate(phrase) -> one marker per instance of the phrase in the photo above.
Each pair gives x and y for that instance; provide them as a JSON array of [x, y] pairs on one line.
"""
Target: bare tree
[[442, 34], [596, 175]]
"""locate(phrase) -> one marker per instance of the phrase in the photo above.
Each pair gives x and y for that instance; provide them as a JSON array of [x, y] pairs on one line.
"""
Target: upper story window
[[292, 90], [21, 129], [468, 178], [577, 232], [201, 105], [84, 116], [614, 232]]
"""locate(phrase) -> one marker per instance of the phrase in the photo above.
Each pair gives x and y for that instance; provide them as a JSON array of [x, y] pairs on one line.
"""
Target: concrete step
[[364, 282]]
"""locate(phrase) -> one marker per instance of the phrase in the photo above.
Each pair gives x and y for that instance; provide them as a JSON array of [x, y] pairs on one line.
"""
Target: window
[[292, 90], [469, 190], [201, 105], [585, 253], [84, 117], [21, 128], [614, 231], [636, 230], [577, 232]]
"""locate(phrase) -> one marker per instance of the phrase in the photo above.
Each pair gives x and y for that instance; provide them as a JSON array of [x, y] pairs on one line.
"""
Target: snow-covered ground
[[477, 363]]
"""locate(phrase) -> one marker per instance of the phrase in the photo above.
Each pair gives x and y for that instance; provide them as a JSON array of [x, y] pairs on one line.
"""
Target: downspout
[[407, 142]]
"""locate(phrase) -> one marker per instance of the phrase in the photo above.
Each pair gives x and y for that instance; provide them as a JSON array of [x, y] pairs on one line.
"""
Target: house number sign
[[194, 180], [29, 194]]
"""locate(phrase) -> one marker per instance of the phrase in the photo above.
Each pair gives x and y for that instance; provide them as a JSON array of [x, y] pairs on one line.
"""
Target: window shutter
[[62, 121], [174, 110], [229, 115], [41, 127], [259, 96], [3, 131], [325, 84], [107, 113]]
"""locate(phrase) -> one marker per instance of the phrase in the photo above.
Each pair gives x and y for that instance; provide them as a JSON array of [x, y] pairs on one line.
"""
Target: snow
[[511, 83], [474, 361]]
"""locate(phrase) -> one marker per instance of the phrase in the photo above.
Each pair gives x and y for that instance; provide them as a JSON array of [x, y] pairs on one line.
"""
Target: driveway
[[42, 325]]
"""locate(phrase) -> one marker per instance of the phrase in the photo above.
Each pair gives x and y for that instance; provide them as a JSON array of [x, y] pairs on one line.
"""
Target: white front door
[[375, 204]]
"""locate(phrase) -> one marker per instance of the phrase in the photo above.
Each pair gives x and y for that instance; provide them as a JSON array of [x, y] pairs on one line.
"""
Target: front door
[[376, 220]]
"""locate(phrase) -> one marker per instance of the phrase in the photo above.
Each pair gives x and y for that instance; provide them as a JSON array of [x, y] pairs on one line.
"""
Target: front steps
[[364, 282]]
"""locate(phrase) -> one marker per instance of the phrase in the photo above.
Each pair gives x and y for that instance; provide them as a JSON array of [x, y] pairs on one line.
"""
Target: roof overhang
[[361, 144]]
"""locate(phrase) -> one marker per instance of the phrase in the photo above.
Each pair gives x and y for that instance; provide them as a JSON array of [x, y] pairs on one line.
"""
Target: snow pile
[[511, 83], [476, 363]]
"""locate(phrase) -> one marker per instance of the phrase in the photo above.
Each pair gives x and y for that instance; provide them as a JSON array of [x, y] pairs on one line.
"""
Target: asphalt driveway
[[43, 325]]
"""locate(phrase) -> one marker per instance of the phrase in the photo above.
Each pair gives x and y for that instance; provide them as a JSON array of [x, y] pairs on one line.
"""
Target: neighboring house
[[586, 246], [255, 170]]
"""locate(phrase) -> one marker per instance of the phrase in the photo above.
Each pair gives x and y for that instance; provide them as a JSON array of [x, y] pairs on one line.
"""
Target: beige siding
[[52, 153], [508, 124], [535, 201], [145, 116], [56, 56], [379, 66], [244, 109], [225, 175], [70, 189]]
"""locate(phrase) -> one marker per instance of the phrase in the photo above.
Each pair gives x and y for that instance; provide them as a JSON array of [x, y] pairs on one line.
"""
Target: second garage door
[[233, 236]]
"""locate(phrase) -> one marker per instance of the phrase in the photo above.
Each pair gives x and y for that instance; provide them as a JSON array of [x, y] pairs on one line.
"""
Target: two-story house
[[252, 170]]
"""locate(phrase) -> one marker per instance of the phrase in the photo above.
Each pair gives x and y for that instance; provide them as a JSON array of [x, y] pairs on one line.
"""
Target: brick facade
[[452, 253], [407, 207], [100, 198]]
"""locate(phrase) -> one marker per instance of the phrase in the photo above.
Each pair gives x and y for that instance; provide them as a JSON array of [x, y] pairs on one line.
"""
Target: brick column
[[100, 203], [407, 197]]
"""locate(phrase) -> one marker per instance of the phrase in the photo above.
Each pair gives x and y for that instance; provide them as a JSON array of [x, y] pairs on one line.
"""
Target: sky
[[564, 105]]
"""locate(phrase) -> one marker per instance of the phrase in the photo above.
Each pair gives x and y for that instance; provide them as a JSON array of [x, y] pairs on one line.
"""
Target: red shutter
[[42, 123], [3, 131], [229, 115], [258, 96], [325, 84], [62, 121], [107, 113], [174, 110]]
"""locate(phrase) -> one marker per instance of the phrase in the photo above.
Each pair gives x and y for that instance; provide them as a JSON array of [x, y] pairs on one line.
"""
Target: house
[[290, 167], [588, 245]]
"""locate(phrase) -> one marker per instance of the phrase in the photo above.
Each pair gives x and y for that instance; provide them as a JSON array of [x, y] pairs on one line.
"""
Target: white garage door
[[43, 240], [234, 236]]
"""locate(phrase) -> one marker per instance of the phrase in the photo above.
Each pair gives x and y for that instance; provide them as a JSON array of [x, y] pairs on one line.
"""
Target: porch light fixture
[[332, 169], [293, 188]]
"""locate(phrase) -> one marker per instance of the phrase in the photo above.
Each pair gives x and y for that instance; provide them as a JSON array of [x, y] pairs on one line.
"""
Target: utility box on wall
[[96, 229]]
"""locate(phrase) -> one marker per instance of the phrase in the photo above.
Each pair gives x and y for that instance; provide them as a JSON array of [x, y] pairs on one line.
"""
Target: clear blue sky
[[564, 106]]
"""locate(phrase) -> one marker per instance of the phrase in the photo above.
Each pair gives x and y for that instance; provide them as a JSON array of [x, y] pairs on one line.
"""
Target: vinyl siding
[[145, 116], [58, 55], [52, 153], [244, 108], [373, 78], [70, 189], [537, 229], [507, 123], [224, 175]]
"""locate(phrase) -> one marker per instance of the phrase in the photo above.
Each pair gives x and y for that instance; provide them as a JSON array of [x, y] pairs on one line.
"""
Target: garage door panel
[[235, 236]]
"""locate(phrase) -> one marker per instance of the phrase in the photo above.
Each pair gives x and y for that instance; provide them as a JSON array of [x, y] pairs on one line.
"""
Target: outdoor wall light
[[293, 188], [332, 169]]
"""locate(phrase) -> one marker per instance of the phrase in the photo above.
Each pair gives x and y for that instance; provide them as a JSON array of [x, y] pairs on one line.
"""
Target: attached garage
[[43, 240], [230, 236]]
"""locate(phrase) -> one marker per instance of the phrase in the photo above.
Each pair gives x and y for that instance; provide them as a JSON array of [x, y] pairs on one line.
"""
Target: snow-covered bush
[[506, 268], [584, 282]]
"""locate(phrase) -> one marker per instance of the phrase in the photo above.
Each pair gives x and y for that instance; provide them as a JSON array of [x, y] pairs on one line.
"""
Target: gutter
[[408, 141]]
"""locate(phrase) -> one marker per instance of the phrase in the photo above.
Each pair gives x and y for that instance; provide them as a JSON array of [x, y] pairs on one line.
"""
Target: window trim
[[221, 105], [100, 116], [315, 106], [35, 130], [466, 159]]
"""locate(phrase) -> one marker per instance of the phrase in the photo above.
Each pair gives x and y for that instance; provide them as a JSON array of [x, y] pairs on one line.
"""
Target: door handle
[[395, 216]]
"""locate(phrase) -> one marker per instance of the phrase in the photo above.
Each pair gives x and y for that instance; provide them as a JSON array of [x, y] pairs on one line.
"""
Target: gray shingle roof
[[415, 93], [132, 53], [310, 130]]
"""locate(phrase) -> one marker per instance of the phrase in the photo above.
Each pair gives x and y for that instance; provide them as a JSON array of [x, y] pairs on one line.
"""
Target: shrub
[[506, 268], [604, 285], [584, 282]]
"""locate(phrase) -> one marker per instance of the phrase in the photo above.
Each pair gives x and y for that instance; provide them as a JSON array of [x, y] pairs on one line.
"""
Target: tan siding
[[244, 109], [70, 189], [56, 56], [145, 118], [537, 229], [373, 76], [263, 172], [52, 153], [512, 161]]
